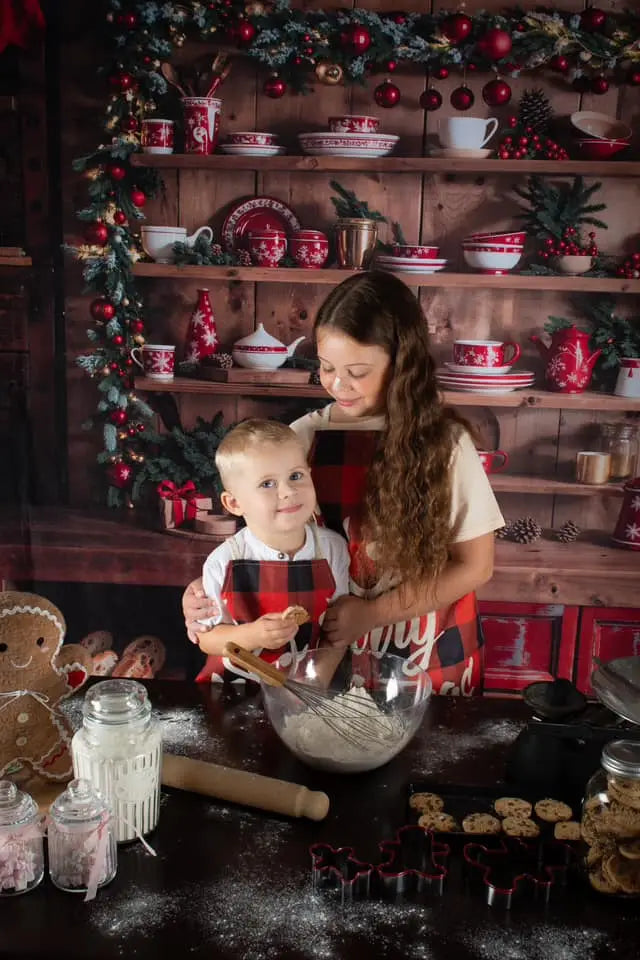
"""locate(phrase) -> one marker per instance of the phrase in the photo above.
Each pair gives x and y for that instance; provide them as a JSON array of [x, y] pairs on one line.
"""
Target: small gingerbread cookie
[[441, 822], [426, 802], [512, 807], [630, 849], [515, 827], [296, 613], [567, 830], [551, 811], [483, 823]]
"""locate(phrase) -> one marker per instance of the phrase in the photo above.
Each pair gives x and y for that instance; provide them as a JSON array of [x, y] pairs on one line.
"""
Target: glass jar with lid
[[118, 750], [611, 821], [81, 844], [620, 442], [21, 847]]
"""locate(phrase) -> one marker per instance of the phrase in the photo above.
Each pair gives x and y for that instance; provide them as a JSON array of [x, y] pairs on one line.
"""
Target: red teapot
[[569, 364], [627, 531]]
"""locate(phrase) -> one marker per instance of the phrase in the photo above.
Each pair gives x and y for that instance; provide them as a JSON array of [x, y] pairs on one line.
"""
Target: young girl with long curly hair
[[397, 472]]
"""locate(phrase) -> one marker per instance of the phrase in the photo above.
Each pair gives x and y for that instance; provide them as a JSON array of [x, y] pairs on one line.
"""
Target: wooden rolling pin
[[238, 786]]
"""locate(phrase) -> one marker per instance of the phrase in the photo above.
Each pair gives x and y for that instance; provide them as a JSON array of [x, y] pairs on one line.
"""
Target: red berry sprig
[[570, 245], [630, 269], [524, 143]]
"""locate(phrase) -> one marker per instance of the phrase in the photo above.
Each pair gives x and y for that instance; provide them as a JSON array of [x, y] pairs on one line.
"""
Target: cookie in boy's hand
[[298, 614]]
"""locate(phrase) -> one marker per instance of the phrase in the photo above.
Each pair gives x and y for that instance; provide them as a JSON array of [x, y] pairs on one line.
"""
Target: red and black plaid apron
[[447, 643], [252, 588]]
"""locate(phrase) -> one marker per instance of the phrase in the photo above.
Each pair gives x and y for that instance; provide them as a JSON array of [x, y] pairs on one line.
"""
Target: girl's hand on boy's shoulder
[[271, 631], [346, 620]]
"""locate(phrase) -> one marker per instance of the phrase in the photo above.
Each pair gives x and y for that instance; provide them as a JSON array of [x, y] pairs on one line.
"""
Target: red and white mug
[[158, 360], [157, 136], [485, 353], [201, 124], [309, 248], [493, 461], [267, 247]]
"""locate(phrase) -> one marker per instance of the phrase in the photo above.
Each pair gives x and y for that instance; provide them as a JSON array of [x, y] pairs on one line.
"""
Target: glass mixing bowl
[[365, 709]]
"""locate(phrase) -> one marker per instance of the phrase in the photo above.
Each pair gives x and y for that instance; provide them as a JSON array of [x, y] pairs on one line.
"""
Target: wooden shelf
[[519, 398], [80, 546], [469, 281], [16, 262], [514, 483], [309, 164]]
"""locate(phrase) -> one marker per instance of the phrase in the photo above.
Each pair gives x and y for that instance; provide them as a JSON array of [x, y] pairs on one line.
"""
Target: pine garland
[[293, 42], [347, 205]]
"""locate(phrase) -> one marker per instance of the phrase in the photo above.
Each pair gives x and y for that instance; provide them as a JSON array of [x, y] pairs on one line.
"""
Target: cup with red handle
[[485, 353]]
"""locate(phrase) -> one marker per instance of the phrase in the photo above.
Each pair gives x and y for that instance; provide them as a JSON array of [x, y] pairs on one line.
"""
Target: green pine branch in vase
[[349, 207]]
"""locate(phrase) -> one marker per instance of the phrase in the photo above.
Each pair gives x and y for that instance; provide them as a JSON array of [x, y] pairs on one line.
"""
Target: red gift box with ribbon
[[178, 504]]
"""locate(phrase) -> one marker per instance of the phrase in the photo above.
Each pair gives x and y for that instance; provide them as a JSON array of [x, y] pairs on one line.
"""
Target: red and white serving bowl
[[414, 251], [309, 248], [600, 126], [600, 149], [516, 238], [492, 247], [491, 261], [252, 138], [347, 144], [267, 247], [353, 123]]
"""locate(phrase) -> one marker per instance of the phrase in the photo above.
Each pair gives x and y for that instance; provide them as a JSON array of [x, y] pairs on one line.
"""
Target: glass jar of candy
[[611, 821], [21, 847], [81, 844], [118, 750]]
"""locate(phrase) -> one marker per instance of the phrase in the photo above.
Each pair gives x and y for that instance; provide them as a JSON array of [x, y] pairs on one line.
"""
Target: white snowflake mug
[[158, 360]]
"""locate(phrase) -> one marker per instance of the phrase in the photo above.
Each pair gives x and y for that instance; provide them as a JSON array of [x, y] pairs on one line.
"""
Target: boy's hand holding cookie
[[270, 631]]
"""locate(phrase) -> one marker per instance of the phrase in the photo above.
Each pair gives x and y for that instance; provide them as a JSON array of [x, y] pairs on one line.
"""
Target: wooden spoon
[[170, 74], [218, 79]]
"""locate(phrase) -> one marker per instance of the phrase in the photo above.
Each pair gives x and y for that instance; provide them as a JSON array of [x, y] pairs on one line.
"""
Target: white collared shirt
[[246, 546]]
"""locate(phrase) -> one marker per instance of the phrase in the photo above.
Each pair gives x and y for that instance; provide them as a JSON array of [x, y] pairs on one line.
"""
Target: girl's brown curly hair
[[408, 495]]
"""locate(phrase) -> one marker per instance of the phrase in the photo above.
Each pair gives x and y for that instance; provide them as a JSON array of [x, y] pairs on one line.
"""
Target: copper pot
[[355, 242]]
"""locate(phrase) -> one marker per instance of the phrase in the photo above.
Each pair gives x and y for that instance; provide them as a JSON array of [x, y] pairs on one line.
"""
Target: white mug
[[628, 382], [466, 133], [157, 242]]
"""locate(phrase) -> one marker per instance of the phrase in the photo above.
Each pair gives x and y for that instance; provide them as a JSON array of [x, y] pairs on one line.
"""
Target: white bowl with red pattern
[[348, 144], [517, 238], [491, 261], [353, 123], [249, 138], [309, 248], [414, 251]]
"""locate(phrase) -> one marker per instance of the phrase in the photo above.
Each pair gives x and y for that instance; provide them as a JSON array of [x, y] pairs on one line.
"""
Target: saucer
[[477, 371], [461, 153]]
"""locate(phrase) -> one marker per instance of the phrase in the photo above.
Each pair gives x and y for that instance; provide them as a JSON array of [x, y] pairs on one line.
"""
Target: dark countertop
[[229, 882]]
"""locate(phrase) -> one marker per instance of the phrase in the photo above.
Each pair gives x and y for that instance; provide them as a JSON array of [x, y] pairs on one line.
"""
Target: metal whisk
[[345, 713]]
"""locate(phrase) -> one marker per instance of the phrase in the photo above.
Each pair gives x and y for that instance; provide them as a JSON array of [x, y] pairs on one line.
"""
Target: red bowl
[[600, 149], [415, 251]]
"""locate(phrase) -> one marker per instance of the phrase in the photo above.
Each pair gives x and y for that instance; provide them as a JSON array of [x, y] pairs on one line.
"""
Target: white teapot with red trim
[[261, 351]]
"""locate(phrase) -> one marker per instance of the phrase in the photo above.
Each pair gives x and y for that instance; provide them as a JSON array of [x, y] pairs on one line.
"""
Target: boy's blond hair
[[247, 437]]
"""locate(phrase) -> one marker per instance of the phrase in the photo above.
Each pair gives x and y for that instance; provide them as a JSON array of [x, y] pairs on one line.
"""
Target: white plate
[[478, 371], [243, 150], [345, 152], [414, 270], [474, 381], [329, 137], [413, 261], [483, 391]]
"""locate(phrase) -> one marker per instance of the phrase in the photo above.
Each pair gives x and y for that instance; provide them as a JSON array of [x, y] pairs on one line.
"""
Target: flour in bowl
[[347, 733]]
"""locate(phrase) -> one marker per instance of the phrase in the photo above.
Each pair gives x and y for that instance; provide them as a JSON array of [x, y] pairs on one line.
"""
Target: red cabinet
[[607, 633], [525, 642]]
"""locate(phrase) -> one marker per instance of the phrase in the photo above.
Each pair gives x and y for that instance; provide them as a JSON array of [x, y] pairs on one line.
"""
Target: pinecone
[[222, 360], [315, 378], [568, 532], [535, 110], [525, 530], [504, 532]]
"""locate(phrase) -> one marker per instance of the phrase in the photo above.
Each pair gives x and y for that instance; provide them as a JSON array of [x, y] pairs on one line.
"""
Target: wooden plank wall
[[433, 208]]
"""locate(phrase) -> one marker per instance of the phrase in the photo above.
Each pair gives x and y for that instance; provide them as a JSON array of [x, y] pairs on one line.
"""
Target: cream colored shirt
[[474, 509]]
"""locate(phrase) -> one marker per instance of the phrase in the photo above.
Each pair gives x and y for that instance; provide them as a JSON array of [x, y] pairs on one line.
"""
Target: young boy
[[280, 560]]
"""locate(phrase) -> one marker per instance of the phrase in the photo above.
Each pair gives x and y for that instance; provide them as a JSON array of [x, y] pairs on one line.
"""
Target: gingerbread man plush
[[36, 673]]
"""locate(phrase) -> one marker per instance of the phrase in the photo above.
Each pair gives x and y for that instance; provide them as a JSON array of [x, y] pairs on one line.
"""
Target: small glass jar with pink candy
[[21, 846]]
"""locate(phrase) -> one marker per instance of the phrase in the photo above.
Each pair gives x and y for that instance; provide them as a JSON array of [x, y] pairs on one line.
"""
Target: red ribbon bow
[[167, 490]]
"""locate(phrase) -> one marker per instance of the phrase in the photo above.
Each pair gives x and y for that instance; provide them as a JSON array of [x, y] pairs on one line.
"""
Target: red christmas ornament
[[599, 85], [391, 66], [118, 340], [127, 20], [115, 171], [456, 28], [120, 218], [441, 73], [357, 39], [120, 475], [634, 78], [559, 64], [592, 19], [496, 93], [118, 417], [138, 198], [274, 87], [462, 98], [387, 94], [430, 99], [137, 326], [102, 309], [130, 123], [97, 233], [121, 81], [399, 18], [495, 44], [244, 33]]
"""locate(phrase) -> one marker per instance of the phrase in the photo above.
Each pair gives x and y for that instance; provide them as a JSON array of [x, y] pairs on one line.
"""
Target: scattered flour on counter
[[446, 747], [536, 942], [185, 731], [353, 714]]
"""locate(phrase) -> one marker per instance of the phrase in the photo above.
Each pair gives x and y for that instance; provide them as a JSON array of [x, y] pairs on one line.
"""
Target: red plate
[[257, 213]]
